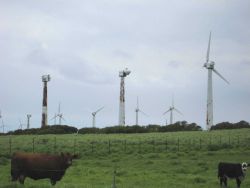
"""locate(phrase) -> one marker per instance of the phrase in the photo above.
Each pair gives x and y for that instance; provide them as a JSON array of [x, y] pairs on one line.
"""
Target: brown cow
[[39, 166]]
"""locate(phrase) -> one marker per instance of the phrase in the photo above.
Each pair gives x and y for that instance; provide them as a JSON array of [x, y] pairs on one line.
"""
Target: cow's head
[[67, 158], [244, 166]]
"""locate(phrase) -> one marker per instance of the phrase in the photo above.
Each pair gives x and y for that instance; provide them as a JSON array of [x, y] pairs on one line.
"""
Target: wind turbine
[[20, 124], [137, 110], [210, 67], [94, 114], [171, 109], [59, 115]]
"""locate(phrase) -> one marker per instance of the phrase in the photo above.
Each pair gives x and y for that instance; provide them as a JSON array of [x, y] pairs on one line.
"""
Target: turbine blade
[[208, 48], [99, 109], [166, 112], [178, 111], [143, 113], [215, 71], [53, 117]]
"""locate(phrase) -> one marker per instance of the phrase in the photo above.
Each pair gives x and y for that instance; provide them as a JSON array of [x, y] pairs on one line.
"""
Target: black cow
[[39, 166], [232, 171]]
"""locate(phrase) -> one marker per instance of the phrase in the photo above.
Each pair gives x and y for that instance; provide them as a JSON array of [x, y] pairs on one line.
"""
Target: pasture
[[178, 159]]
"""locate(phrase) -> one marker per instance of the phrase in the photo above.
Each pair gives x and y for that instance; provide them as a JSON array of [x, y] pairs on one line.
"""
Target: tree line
[[178, 126]]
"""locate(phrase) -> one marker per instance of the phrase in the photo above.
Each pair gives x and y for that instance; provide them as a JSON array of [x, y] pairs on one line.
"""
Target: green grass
[[141, 160]]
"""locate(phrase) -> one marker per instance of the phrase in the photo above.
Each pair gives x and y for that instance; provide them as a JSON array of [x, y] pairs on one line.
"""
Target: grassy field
[[180, 159]]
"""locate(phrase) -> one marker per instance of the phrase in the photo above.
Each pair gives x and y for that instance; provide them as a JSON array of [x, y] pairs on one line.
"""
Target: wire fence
[[57, 144]]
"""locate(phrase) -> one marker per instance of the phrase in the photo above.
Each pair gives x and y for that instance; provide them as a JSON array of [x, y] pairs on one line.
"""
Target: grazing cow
[[232, 171], [39, 166]]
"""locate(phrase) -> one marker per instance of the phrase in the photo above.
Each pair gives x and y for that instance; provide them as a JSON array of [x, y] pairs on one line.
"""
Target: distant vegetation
[[178, 126], [227, 125]]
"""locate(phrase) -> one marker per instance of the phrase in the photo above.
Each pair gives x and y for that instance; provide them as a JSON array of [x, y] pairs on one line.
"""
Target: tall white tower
[[45, 79], [209, 65], [122, 74]]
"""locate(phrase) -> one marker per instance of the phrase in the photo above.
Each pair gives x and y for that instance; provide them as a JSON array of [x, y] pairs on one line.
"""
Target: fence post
[[74, 146], [200, 143], [109, 147], [54, 144], [166, 144], [153, 145], [92, 146], [33, 144], [139, 146], [10, 143], [178, 143], [125, 145]]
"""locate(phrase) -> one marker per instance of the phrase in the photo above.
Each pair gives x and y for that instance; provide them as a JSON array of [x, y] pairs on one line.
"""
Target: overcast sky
[[84, 44]]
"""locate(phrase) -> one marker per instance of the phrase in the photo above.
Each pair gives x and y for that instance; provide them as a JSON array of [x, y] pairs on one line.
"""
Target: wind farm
[[124, 94]]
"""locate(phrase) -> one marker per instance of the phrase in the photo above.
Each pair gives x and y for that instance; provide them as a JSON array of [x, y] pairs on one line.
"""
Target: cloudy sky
[[84, 44]]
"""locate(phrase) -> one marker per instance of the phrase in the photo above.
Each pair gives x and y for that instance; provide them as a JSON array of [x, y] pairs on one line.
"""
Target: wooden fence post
[[153, 145], [125, 145], [54, 144], [166, 144], [200, 143], [178, 144], [10, 147], [92, 146], [33, 144], [139, 146], [109, 147], [74, 146]]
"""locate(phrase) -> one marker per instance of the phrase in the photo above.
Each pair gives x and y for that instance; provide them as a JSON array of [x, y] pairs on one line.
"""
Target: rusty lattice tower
[[122, 74]]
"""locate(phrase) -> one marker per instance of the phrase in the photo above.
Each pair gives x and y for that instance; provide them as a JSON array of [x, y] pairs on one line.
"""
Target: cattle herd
[[53, 167]]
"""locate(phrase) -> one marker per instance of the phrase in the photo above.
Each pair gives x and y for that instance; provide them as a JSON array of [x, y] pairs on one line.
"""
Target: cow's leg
[[53, 182], [21, 179], [221, 181], [14, 175], [225, 181], [238, 182]]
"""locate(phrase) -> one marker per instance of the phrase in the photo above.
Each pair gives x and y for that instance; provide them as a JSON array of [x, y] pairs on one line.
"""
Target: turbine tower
[[94, 114], [28, 120], [171, 109], [210, 67], [122, 74], [1, 118], [45, 79], [137, 110]]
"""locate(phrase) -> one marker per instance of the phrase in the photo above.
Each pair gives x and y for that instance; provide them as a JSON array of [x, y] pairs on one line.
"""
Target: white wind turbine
[[171, 109], [20, 124], [94, 114], [137, 110], [59, 115], [210, 67]]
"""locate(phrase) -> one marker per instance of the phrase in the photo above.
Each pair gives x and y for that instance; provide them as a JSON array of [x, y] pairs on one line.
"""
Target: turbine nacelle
[[124, 73], [209, 65]]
